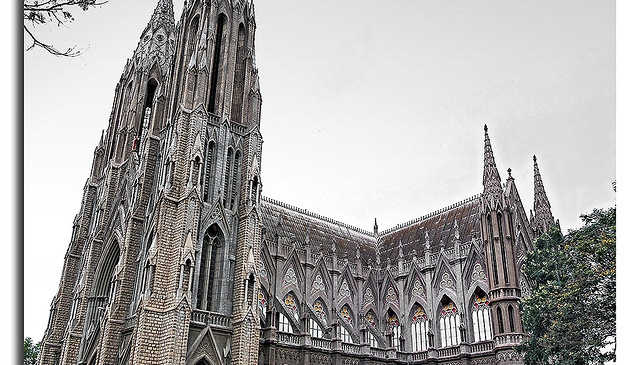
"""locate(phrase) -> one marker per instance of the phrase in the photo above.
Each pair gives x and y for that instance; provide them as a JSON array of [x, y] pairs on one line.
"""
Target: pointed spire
[[163, 14], [543, 218], [375, 225], [491, 181]]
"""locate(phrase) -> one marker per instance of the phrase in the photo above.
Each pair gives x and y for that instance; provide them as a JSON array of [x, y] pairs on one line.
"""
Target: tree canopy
[[31, 351], [571, 313], [58, 11]]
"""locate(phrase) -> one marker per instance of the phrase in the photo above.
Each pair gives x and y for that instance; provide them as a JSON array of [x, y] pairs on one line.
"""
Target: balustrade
[[210, 318]]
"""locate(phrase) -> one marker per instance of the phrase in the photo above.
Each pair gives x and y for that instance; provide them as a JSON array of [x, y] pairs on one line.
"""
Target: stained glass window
[[262, 302], [481, 318], [290, 304], [419, 323], [345, 313], [394, 326], [449, 324], [318, 308]]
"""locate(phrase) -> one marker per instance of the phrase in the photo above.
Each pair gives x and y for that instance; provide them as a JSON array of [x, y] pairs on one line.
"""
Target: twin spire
[[543, 218], [491, 177]]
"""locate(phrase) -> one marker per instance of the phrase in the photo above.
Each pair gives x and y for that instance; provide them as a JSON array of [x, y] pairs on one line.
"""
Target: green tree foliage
[[571, 313], [31, 351], [57, 11]]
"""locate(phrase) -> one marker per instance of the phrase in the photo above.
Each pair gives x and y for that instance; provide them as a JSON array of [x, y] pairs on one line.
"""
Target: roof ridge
[[317, 216], [429, 215]]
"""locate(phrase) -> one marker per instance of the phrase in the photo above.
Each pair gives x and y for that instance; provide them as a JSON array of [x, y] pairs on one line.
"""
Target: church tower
[[500, 252], [169, 228]]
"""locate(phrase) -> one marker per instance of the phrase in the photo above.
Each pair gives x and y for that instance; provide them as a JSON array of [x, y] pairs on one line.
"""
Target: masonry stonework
[[177, 258]]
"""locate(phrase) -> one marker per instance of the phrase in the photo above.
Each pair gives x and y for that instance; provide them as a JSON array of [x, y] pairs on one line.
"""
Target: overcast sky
[[371, 109]]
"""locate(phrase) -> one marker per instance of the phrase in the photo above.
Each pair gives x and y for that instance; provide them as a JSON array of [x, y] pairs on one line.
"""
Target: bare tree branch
[[41, 12]]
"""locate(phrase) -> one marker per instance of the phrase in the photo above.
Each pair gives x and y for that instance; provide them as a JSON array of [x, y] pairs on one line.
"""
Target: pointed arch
[[449, 322], [444, 282], [239, 75], [347, 325], [204, 350], [419, 327], [147, 109], [291, 273], [215, 92], [480, 315], [319, 283], [393, 324], [370, 294], [389, 295], [210, 273]]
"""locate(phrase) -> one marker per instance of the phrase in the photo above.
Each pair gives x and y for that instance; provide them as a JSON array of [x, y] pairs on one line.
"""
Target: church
[[177, 258]]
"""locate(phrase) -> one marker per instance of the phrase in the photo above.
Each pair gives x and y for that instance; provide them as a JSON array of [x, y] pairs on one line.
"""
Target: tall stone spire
[[543, 218], [491, 178], [163, 15]]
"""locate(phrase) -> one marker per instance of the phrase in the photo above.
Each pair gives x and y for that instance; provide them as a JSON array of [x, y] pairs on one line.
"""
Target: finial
[[509, 172], [375, 225], [534, 158], [485, 128]]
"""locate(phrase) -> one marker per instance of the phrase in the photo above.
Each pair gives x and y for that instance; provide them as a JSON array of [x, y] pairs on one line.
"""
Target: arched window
[[344, 335], [238, 77], [208, 166], [193, 34], [290, 303], [419, 322], [394, 326], [227, 176], [216, 70], [235, 178], [449, 324], [283, 323], [500, 321], [502, 250], [209, 261], [481, 318], [492, 246], [314, 329], [371, 322], [318, 309], [262, 302], [512, 325], [148, 105]]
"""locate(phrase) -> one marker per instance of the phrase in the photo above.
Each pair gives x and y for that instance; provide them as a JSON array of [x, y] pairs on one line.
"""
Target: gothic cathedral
[[177, 258]]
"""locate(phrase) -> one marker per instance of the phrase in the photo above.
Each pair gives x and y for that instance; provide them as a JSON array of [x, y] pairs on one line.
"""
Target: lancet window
[[419, 324], [449, 324], [394, 326], [481, 318], [209, 268]]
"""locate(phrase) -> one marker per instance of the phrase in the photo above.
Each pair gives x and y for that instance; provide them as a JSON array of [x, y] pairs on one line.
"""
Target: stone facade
[[176, 258]]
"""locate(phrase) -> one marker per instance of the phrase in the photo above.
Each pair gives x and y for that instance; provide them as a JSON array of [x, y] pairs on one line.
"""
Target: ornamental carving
[[417, 288], [368, 296], [318, 283], [344, 290], [478, 273], [392, 296], [446, 282], [290, 278]]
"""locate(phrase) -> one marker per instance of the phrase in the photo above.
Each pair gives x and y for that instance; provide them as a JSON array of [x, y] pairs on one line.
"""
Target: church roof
[[440, 226], [301, 226]]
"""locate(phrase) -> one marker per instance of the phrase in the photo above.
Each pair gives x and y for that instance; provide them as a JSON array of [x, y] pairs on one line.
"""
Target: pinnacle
[[491, 177], [543, 216]]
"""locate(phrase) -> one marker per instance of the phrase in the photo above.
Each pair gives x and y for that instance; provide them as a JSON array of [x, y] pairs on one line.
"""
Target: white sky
[[371, 109]]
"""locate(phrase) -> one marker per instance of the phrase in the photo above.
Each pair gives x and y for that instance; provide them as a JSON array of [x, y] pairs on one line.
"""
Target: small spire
[[375, 225], [491, 177], [543, 218]]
